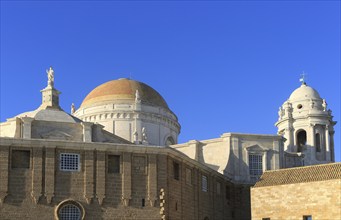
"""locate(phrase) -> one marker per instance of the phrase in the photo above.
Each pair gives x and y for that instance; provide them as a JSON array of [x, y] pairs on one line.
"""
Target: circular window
[[70, 210], [299, 106]]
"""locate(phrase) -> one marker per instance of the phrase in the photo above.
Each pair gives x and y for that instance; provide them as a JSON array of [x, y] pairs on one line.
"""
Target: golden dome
[[122, 90]]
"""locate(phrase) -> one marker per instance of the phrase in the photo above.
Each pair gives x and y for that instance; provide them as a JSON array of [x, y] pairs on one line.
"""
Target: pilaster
[[50, 173], [126, 179], [89, 176], [3, 172], [152, 179], [37, 167], [27, 125], [87, 131], [100, 176]]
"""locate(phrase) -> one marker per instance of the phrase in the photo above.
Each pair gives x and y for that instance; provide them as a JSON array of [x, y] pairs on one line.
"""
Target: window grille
[[69, 212], [255, 165], [69, 162], [204, 183]]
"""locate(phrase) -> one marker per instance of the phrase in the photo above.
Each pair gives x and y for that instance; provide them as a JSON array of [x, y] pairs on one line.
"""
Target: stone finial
[[144, 136], [324, 105], [50, 77], [280, 112], [73, 108], [136, 136]]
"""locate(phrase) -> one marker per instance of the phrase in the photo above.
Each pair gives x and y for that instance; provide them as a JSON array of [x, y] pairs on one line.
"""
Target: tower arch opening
[[301, 140]]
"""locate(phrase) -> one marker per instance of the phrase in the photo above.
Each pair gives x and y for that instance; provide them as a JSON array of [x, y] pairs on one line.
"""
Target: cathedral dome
[[121, 90], [304, 92]]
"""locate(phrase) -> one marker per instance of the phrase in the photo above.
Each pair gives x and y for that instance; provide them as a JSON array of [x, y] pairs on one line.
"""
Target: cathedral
[[117, 157]]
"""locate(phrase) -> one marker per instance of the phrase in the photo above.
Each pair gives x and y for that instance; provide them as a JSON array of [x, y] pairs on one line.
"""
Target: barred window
[[69, 212], [69, 162], [255, 165], [204, 183]]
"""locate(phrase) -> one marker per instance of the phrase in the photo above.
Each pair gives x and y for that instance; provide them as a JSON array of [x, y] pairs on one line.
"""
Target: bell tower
[[307, 125]]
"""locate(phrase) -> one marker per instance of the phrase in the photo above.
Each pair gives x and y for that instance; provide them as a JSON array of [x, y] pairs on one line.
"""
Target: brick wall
[[321, 200]]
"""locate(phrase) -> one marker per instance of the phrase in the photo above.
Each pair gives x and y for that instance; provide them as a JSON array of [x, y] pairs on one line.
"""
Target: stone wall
[[37, 189], [321, 200]]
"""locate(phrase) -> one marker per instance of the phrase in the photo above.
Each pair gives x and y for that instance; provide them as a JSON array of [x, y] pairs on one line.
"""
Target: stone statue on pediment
[[137, 97], [324, 105]]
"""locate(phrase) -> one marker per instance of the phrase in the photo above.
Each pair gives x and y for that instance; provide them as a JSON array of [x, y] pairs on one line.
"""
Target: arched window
[[318, 142], [301, 140], [170, 141], [70, 210]]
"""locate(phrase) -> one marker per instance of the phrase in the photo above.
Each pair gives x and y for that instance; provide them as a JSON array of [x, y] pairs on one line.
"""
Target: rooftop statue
[[50, 77]]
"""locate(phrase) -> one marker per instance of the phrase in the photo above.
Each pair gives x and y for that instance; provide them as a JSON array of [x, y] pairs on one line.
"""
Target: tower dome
[[132, 110], [304, 92], [307, 125]]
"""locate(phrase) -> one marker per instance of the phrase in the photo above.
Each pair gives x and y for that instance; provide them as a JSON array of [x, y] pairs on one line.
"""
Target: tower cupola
[[306, 123]]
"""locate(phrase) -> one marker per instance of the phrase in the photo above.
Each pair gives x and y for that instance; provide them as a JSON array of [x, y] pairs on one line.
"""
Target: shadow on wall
[[199, 156]]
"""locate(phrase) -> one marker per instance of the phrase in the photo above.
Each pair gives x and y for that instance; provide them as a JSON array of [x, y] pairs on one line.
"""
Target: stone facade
[[230, 154], [133, 192], [297, 192]]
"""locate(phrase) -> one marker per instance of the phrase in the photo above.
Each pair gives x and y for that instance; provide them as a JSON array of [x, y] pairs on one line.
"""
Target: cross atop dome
[[303, 78]]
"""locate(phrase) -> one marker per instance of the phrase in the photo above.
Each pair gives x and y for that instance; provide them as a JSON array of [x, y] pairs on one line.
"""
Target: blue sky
[[222, 66]]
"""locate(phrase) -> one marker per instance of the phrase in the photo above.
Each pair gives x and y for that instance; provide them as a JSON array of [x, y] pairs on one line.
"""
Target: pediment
[[56, 135], [256, 148]]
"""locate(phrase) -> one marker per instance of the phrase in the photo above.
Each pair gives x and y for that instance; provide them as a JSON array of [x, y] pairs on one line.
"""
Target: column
[[27, 123], [264, 162], [290, 141], [328, 152], [311, 142]]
